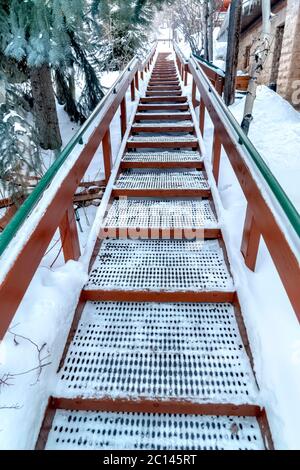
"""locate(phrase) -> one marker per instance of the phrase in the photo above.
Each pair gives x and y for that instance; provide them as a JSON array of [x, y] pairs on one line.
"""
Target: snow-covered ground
[[275, 132]]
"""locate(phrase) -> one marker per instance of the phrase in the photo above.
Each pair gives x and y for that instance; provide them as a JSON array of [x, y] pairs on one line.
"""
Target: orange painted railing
[[55, 191]]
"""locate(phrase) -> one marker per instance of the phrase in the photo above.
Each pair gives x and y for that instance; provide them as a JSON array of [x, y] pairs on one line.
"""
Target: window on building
[[276, 56], [247, 57]]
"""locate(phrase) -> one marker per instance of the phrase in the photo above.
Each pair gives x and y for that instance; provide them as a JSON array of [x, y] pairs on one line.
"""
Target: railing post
[[142, 74], [106, 145], [69, 235], [202, 116], [216, 155], [219, 85], [185, 75], [132, 88], [250, 240], [136, 80], [123, 117], [194, 94]]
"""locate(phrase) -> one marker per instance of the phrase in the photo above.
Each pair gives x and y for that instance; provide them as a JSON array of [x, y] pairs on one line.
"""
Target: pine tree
[[20, 156], [38, 37], [35, 33], [125, 28], [88, 66]]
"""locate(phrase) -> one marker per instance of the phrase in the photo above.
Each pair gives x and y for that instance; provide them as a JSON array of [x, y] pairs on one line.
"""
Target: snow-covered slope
[[275, 131]]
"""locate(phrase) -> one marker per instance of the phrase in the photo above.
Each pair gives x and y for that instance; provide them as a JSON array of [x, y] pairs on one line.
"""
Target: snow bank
[[109, 78], [42, 321], [275, 131]]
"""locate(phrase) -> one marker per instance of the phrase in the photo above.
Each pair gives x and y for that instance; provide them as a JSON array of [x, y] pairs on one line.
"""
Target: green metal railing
[[213, 67], [31, 201], [283, 200]]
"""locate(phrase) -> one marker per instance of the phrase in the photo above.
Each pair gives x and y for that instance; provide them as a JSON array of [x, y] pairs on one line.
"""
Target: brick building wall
[[248, 39], [289, 69], [287, 58]]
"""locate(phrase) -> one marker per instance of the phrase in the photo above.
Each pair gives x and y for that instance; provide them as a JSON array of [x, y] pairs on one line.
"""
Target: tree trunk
[[257, 65], [210, 29], [205, 30], [233, 41], [59, 87], [71, 81], [44, 108]]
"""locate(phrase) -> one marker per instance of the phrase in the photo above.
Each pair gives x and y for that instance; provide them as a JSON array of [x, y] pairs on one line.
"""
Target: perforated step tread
[[168, 265], [162, 157], [128, 431], [167, 114], [161, 214], [163, 125], [186, 138], [167, 351], [161, 179], [164, 98], [164, 105]]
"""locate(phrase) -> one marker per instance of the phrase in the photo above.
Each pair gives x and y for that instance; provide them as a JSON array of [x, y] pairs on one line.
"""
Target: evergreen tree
[[70, 37], [35, 33], [125, 27], [20, 156], [87, 66]]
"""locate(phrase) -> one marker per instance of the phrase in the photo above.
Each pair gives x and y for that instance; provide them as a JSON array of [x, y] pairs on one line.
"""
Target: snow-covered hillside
[[275, 131]]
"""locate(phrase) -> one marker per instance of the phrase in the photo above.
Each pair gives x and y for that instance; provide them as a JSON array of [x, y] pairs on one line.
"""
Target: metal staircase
[[158, 358]]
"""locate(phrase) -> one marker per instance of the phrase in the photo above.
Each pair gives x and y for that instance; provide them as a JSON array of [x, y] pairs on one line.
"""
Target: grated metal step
[[171, 114], [163, 139], [163, 93], [155, 265], [163, 124], [161, 214], [152, 350], [158, 90], [164, 99], [107, 430], [163, 107], [160, 116], [161, 179], [157, 157], [163, 82]]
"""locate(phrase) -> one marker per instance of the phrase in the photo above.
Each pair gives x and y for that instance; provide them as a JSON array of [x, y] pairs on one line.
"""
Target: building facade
[[282, 69]]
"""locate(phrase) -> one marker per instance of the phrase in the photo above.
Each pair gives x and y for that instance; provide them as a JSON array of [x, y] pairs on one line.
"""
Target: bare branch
[[6, 379], [11, 407]]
